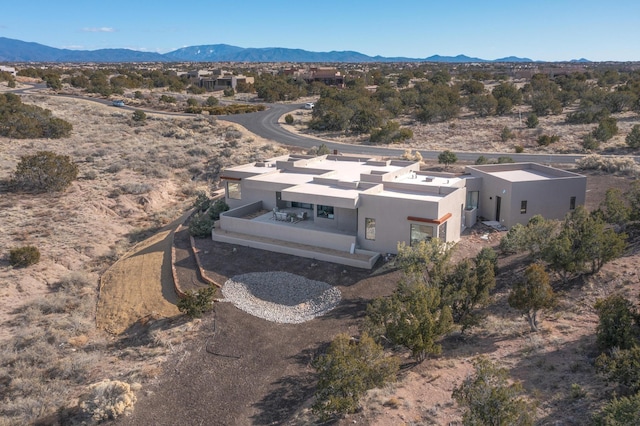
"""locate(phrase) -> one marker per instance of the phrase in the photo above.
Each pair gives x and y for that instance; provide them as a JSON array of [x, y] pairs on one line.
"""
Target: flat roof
[[410, 195], [426, 180], [523, 175], [284, 177], [332, 191]]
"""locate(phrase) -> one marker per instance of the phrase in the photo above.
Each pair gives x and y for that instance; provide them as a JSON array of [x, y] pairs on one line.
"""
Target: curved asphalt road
[[265, 124]]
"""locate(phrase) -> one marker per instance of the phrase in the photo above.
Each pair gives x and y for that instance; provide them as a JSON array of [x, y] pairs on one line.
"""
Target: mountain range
[[12, 50]]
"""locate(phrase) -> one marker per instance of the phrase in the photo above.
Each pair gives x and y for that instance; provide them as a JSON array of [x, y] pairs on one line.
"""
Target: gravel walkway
[[281, 297]]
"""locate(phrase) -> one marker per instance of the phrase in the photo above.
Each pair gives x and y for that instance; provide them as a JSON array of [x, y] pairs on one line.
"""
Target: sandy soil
[[135, 278]]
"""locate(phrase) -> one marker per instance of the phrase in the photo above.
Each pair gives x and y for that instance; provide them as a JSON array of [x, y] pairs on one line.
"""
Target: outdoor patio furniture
[[281, 215]]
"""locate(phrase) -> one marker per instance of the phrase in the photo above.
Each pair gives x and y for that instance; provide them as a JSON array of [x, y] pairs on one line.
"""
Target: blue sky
[[547, 30]]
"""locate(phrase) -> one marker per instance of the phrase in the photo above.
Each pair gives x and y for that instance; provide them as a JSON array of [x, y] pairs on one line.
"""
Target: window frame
[[369, 231], [231, 193], [420, 226], [325, 212], [523, 207]]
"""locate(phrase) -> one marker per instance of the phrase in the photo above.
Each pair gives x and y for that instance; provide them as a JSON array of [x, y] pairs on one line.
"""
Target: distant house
[[10, 70], [350, 210], [225, 82], [327, 75]]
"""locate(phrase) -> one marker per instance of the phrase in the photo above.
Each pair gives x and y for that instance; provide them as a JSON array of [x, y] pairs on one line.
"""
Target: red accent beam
[[425, 220], [229, 178]]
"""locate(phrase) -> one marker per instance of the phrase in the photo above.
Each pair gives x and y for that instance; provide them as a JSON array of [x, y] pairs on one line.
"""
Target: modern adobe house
[[349, 210]]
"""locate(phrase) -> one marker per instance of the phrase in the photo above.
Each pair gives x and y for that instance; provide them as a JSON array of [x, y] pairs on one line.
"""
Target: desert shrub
[[44, 171], [135, 188], [202, 202], [198, 152], [139, 116], [617, 164], [633, 138], [347, 371], [211, 101], [288, 119], [623, 411], [546, 140], [196, 90], [506, 134], [519, 149], [617, 319], [409, 155], [323, 150], [191, 109], [607, 128], [231, 133], [114, 168], [390, 132], [200, 225], [195, 303], [167, 99], [587, 115], [488, 398], [229, 91], [21, 257], [589, 142], [22, 121], [502, 160], [109, 400], [532, 121], [621, 366], [234, 109], [218, 207], [482, 160], [577, 392]]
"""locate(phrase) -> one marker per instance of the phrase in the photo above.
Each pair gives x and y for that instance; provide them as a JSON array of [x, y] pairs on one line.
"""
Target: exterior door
[[498, 202]]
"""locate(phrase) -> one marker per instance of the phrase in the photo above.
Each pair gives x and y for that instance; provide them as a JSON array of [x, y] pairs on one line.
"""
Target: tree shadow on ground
[[141, 333], [564, 380], [347, 309], [285, 400]]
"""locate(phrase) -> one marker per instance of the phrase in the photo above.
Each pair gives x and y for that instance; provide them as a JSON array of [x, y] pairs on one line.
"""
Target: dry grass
[[133, 179]]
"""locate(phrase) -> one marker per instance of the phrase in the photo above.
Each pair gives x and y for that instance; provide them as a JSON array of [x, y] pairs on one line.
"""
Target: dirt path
[[139, 285]]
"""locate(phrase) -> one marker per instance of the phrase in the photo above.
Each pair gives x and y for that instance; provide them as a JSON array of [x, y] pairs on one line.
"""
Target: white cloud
[[98, 30]]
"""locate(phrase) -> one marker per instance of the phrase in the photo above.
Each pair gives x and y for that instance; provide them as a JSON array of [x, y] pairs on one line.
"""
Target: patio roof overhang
[[323, 194]]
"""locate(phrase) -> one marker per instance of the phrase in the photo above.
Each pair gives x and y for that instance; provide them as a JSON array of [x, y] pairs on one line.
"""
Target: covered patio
[[253, 226]]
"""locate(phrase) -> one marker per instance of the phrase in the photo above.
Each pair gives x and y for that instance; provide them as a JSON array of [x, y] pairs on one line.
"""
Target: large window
[[523, 206], [472, 199], [442, 231], [233, 190], [420, 233], [572, 203], [325, 211], [369, 228]]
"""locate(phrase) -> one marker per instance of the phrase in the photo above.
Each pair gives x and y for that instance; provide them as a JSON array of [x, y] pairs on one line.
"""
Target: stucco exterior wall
[[392, 223], [551, 199], [548, 196]]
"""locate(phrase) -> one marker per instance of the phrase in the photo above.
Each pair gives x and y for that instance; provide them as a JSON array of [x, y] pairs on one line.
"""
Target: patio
[[253, 226]]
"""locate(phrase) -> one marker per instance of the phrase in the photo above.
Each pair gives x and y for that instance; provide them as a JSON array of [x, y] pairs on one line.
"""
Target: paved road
[[265, 124]]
